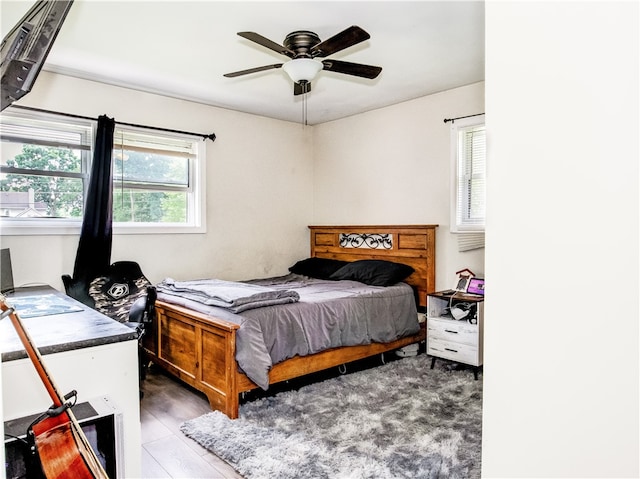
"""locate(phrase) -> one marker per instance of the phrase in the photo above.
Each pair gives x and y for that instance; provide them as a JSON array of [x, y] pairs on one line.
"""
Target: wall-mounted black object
[[25, 48]]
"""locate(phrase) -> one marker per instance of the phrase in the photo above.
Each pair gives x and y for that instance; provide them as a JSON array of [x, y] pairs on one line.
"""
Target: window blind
[[59, 135], [161, 145], [471, 184]]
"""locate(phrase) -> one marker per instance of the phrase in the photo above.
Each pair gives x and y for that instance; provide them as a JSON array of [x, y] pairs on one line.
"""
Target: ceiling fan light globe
[[302, 69]]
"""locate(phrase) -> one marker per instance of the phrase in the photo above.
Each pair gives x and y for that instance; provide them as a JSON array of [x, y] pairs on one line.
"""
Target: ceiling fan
[[303, 47]]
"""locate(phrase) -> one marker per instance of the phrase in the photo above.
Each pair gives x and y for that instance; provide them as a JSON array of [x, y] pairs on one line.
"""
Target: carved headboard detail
[[414, 245]]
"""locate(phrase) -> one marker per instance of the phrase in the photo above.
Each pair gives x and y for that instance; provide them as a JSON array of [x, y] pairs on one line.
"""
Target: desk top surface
[[57, 323]]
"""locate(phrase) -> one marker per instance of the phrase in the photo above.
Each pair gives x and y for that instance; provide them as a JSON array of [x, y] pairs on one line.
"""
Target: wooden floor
[[167, 403], [166, 452]]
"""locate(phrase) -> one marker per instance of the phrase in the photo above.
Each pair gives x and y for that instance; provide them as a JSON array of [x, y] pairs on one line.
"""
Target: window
[[469, 175], [468, 181], [44, 172], [43, 167], [152, 178]]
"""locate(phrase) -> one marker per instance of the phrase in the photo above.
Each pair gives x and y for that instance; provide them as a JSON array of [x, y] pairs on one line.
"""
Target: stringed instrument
[[63, 449]]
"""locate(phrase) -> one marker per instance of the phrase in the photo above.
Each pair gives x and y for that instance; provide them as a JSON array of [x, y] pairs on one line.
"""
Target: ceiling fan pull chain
[[304, 109]]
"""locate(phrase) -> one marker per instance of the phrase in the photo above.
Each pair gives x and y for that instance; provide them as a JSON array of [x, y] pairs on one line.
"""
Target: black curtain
[[94, 248]]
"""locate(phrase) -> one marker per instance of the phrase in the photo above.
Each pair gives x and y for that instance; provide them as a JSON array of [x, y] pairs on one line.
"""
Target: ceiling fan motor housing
[[300, 42]]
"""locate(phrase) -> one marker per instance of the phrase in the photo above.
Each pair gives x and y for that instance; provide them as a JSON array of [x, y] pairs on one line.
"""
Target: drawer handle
[[449, 331], [452, 350]]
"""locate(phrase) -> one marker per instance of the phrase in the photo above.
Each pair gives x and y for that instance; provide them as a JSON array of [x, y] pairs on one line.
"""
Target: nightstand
[[453, 339]]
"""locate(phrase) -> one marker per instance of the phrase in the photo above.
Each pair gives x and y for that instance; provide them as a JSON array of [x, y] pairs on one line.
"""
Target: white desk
[[82, 350]]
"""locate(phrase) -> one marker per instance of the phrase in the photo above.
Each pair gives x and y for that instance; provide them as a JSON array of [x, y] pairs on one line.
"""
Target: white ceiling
[[182, 49]]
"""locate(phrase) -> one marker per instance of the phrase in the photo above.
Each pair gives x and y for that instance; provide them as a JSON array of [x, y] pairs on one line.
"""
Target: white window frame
[[66, 226], [196, 223], [458, 213]]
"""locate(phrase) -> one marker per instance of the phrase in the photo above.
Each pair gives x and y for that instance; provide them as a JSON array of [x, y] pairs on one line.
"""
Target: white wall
[[561, 373], [259, 178], [392, 166]]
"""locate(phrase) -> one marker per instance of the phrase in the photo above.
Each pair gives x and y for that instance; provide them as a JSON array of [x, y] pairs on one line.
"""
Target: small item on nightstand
[[462, 279], [448, 291], [462, 310], [476, 286]]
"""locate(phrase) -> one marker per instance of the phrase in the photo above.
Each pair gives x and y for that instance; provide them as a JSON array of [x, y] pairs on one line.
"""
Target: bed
[[200, 346]]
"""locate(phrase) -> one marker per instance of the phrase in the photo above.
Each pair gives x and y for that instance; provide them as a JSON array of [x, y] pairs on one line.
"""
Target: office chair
[[123, 293]]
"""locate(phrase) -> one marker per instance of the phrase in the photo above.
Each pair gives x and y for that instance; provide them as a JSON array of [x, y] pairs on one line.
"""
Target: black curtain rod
[[446, 120], [211, 137]]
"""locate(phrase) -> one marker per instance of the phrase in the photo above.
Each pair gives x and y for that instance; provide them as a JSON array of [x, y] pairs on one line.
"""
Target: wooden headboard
[[414, 245]]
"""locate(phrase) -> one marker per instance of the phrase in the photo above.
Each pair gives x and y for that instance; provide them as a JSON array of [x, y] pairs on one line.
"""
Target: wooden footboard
[[200, 350]]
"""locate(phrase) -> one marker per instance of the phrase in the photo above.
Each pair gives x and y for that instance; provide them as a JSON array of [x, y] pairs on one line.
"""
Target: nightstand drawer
[[456, 331], [455, 351]]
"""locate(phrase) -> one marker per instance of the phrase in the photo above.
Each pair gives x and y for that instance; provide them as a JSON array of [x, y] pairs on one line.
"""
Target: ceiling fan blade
[[355, 69], [301, 88], [253, 70], [340, 41], [265, 42]]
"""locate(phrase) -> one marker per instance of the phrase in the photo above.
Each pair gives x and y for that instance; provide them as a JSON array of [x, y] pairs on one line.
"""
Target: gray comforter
[[329, 314], [232, 295]]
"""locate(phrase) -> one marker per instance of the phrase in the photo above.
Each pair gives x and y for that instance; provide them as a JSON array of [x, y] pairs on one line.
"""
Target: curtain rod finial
[[453, 120], [211, 137]]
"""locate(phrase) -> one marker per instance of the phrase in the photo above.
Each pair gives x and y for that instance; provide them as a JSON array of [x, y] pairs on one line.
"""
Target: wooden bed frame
[[200, 350]]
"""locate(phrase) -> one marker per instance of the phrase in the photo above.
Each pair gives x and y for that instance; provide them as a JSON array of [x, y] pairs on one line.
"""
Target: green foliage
[[140, 205], [175, 207], [62, 196], [131, 205]]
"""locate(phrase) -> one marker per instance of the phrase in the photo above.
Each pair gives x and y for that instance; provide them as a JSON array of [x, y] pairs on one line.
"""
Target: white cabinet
[[83, 351], [449, 338]]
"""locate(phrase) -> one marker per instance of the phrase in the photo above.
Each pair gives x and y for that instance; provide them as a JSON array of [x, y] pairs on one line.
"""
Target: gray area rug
[[399, 420]]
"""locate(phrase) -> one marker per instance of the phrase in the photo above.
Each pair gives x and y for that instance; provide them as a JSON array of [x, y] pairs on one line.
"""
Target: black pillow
[[374, 272], [319, 268]]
